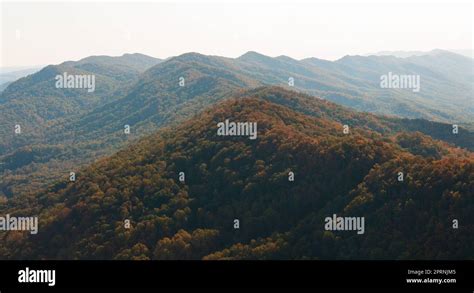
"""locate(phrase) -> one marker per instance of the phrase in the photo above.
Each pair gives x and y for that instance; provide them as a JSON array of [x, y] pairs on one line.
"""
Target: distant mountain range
[[405, 54], [9, 75]]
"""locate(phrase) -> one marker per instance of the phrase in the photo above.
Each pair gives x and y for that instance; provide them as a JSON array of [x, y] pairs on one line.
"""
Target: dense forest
[[183, 187]]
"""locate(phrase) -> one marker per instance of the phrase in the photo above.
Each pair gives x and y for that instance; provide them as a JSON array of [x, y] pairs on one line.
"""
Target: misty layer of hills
[[405, 54], [9, 75], [172, 107]]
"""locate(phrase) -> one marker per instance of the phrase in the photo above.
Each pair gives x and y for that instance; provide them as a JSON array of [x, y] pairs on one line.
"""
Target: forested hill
[[228, 178], [445, 82], [386, 125], [34, 101]]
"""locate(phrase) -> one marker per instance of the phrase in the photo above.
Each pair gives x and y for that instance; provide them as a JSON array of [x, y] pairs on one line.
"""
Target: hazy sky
[[49, 33]]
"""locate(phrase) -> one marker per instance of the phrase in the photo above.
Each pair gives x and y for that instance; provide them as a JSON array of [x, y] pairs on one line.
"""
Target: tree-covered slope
[[34, 101], [228, 178]]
